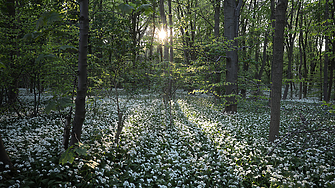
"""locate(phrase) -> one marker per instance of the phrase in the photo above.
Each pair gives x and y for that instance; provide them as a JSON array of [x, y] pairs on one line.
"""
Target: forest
[[167, 93]]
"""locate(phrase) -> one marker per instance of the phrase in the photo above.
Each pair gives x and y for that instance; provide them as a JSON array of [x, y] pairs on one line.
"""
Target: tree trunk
[[164, 22], [272, 18], [153, 31], [231, 18], [305, 73], [185, 38], [278, 50], [217, 18], [82, 74], [217, 74], [331, 76], [171, 30], [326, 61], [290, 46], [320, 55], [261, 70], [4, 157], [301, 57]]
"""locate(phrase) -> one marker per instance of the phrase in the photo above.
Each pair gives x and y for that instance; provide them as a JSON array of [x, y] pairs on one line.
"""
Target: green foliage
[[68, 47], [2, 66], [79, 149], [48, 18], [58, 103], [44, 57], [329, 106], [126, 8]]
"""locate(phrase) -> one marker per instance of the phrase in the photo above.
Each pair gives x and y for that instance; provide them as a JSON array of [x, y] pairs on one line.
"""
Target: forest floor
[[201, 147]]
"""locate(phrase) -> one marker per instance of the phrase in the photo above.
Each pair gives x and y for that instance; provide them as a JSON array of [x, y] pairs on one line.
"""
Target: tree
[[171, 30], [290, 45], [231, 25], [164, 27], [82, 74], [277, 73], [326, 61], [4, 158]]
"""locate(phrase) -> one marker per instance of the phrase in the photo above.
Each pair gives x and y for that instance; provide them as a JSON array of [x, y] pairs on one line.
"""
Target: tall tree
[[82, 74], [290, 45], [12, 91], [231, 25], [171, 30], [164, 27], [326, 59], [277, 72]]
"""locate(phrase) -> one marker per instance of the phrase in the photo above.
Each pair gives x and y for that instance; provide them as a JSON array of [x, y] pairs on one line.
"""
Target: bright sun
[[162, 34]]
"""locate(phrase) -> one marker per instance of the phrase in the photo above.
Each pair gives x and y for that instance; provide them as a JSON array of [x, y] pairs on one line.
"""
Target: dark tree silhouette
[[277, 72], [82, 74]]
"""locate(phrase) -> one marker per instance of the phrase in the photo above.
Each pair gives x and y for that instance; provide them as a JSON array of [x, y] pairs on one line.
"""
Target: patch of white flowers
[[201, 148]]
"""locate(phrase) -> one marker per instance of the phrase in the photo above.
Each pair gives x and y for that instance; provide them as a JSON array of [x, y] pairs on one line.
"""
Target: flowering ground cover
[[201, 147]]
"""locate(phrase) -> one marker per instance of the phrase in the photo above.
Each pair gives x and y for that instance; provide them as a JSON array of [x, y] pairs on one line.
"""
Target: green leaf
[[147, 8], [67, 156], [31, 36], [51, 182], [2, 65], [125, 8], [42, 57], [68, 47], [51, 106], [48, 18], [64, 102], [81, 151]]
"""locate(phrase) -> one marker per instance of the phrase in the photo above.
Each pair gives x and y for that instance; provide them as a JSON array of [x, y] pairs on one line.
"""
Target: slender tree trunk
[[290, 46], [217, 18], [185, 38], [244, 23], [320, 56], [301, 58], [326, 60], [272, 18], [305, 72], [217, 74], [12, 90], [164, 22], [331, 77], [278, 50], [261, 70], [171, 30], [82, 74], [231, 19], [153, 30]]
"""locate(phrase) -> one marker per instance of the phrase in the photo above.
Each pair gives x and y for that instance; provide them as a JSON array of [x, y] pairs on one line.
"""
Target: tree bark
[[272, 18], [290, 46], [231, 18], [217, 18], [4, 157], [164, 22], [326, 61], [171, 30], [261, 70], [278, 51], [185, 37], [82, 74], [217, 74]]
